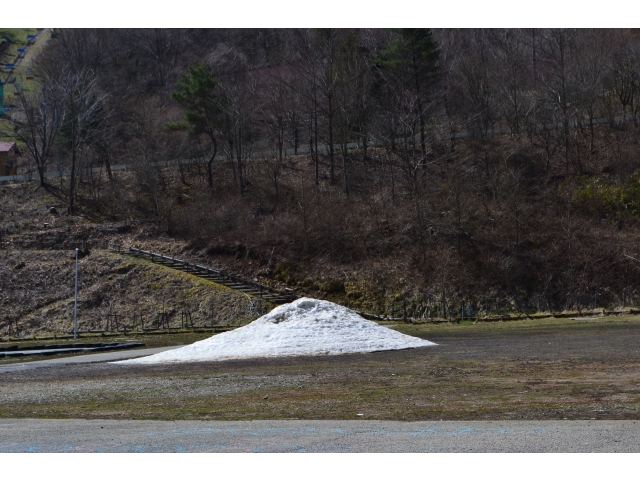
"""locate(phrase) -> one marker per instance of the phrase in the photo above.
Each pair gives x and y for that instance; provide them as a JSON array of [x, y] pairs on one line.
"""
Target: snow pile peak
[[303, 327]]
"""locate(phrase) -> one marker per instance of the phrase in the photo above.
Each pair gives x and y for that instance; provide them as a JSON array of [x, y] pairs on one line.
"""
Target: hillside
[[489, 173], [37, 261]]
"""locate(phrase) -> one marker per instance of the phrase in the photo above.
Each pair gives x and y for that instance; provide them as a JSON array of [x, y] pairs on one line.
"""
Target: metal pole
[[75, 305]]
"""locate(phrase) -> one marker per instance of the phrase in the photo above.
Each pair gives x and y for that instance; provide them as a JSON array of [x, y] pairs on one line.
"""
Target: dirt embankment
[[37, 294], [37, 252], [37, 261]]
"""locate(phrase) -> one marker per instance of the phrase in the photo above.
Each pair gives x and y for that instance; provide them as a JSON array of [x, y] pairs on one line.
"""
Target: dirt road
[[90, 358]]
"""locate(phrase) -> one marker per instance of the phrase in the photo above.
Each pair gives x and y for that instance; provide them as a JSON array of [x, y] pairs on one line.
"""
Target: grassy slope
[[112, 283], [37, 284], [28, 85], [19, 72]]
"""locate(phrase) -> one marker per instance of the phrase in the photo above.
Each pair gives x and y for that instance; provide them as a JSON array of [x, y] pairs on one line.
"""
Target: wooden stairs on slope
[[236, 283]]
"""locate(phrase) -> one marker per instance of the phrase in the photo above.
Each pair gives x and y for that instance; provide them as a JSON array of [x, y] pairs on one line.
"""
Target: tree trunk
[[423, 146], [315, 119], [210, 163], [295, 134], [239, 167], [107, 165], [345, 178], [331, 160], [364, 142], [40, 166], [72, 180]]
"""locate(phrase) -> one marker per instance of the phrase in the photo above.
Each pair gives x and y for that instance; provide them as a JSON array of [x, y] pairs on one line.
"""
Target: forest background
[[444, 166]]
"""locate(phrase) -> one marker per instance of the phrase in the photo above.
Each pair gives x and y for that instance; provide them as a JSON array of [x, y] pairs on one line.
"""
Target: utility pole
[[75, 305]]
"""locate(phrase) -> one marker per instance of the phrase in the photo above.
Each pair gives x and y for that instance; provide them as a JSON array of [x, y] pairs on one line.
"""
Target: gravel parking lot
[[537, 370], [318, 436]]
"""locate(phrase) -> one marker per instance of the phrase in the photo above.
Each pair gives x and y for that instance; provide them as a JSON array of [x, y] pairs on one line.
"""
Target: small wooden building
[[8, 163]]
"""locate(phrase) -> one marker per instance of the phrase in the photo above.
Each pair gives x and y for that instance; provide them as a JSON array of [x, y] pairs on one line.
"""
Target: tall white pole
[[75, 306]]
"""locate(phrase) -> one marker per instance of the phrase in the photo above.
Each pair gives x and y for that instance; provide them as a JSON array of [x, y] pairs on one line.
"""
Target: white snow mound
[[304, 327]]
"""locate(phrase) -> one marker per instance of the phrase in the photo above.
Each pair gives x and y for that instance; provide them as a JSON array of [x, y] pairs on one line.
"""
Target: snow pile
[[303, 327]]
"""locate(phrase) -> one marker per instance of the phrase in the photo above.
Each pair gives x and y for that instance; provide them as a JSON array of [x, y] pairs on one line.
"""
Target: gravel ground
[[528, 371]]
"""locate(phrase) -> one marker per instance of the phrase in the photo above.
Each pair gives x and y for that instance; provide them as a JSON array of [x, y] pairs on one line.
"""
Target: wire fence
[[436, 308], [137, 322]]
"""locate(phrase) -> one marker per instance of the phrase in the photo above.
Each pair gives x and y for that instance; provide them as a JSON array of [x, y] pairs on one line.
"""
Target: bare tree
[[353, 88], [37, 124], [591, 70], [511, 51], [626, 75], [557, 49], [278, 116], [476, 70], [86, 114]]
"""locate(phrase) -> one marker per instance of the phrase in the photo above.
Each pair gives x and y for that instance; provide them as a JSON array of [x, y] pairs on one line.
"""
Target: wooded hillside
[[498, 167]]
